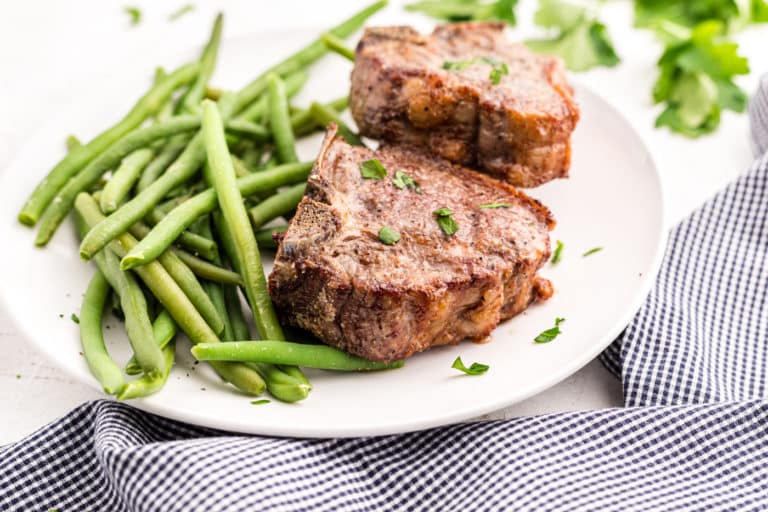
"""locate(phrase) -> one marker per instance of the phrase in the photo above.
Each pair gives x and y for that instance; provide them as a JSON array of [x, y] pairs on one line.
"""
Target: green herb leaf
[[550, 334], [498, 68], [490, 206], [373, 169], [592, 251], [134, 13], [581, 40], [733, 13], [474, 369], [558, 254], [695, 80], [467, 10], [445, 221], [260, 402], [75, 318], [402, 181], [181, 11], [388, 235]]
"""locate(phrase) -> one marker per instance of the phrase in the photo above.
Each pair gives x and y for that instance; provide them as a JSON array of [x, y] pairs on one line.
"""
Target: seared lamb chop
[[334, 276], [437, 92]]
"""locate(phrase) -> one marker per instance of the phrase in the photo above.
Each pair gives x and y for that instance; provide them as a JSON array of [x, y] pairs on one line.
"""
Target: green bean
[[86, 178], [324, 116], [213, 93], [102, 366], [284, 352], [77, 159], [173, 299], [277, 205], [337, 45], [173, 224], [241, 170], [123, 179], [191, 101], [287, 384], [303, 123], [248, 129], [222, 177], [185, 166], [134, 306], [161, 162], [252, 156], [264, 237], [280, 121], [207, 270], [192, 241], [258, 109], [73, 143], [149, 384], [166, 111], [215, 290], [163, 331], [305, 56]]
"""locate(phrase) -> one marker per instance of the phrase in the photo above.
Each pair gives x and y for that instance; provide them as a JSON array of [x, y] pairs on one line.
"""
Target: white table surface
[[51, 49]]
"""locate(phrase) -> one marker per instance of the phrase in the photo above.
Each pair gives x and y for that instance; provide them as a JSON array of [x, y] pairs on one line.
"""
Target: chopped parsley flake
[[260, 402], [592, 251], [403, 181], [558, 254], [445, 221], [75, 318], [134, 13], [491, 206], [498, 68], [474, 368], [550, 334], [181, 11], [388, 235], [373, 169]]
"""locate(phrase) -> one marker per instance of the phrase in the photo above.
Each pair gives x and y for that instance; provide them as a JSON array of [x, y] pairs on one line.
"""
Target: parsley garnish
[[498, 68], [373, 169], [445, 221], [388, 235], [695, 80], [558, 252], [490, 206], [260, 402], [582, 41], [134, 13], [75, 318], [181, 11], [467, 10], [550, 334], [402, 181], [474, 369], [653, 13], [592, 251]]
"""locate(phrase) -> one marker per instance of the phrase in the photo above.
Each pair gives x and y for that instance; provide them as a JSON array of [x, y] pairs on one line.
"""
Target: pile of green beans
[[173, 205]]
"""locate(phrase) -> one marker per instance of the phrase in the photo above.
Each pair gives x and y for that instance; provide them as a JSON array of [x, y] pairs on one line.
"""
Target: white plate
[[613, 200]]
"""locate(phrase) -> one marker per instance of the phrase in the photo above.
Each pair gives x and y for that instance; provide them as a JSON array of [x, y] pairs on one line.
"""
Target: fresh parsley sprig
[[733, 13], [696, 79], [581, 40]]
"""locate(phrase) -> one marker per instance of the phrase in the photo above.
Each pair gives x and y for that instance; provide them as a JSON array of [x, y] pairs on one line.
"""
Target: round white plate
[[613, 200]]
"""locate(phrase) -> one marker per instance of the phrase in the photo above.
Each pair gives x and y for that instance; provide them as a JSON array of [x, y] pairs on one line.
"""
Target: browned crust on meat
[[518, 130], [333, 277]]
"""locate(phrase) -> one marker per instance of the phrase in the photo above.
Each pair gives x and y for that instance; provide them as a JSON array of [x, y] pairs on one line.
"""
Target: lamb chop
[[338, 275], [468, 95]]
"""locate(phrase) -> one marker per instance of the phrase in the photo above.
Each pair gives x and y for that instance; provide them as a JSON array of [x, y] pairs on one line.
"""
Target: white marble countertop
[[50, 49]]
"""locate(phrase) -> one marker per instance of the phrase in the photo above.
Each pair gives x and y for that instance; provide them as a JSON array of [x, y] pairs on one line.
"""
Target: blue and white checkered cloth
[[694, 434]]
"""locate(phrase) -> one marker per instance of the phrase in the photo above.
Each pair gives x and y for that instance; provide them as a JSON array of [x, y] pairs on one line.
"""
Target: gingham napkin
[[694, 434]]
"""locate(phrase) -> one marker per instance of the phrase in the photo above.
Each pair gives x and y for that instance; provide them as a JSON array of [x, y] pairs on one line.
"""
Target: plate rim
[[458, 414]]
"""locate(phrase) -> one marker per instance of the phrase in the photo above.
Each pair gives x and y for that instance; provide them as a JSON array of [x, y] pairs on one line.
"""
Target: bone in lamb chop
[[468, 95], [334, 276]]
